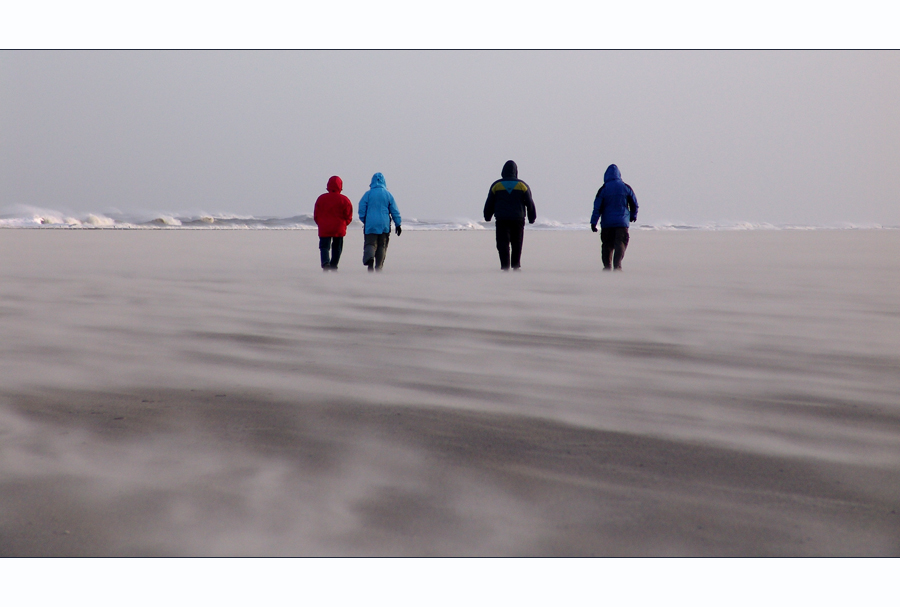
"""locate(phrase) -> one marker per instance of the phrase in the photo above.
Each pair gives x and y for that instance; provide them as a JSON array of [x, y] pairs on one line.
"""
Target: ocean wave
[[736, 226], [444, 224], [22, 216]]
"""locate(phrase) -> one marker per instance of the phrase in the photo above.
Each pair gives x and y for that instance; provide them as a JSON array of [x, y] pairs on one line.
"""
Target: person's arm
[[595, 216], [348, 211], [489, 205], [316, 212], [363, 207], [529, 205], [395, 213], [632, 205], [393, 210]]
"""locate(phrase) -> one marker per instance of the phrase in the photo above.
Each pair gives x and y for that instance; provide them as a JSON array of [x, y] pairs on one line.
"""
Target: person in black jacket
[[509, 200]]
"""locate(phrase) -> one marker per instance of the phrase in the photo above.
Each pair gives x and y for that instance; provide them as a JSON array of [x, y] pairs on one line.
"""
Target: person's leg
[[324, 249], [516, 235], [621, 243], [381, 251], [337, 245], [503, 243], [369, 245], [607, 244]]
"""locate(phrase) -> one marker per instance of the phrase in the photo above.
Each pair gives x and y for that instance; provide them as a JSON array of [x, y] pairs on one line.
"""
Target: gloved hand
[[398, 230], [593, 228], [633, 218]]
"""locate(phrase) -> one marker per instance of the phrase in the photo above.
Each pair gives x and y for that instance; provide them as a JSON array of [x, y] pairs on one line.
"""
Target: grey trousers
[[375, 247]]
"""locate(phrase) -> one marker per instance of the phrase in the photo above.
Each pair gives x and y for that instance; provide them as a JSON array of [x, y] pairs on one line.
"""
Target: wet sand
[[215, 393]]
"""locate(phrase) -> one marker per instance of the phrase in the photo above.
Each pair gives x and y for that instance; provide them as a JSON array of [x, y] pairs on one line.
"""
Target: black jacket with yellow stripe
[[509, 197]]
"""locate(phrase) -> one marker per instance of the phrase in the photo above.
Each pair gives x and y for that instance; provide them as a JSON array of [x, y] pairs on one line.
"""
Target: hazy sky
[[761, 136]]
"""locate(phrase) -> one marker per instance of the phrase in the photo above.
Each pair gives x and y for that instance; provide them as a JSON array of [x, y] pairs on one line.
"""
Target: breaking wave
[[22, 216]]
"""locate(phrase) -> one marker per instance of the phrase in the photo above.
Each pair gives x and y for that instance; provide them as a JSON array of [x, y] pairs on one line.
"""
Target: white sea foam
[[99, 221], [23, 216], [551, 224], [444, 224]]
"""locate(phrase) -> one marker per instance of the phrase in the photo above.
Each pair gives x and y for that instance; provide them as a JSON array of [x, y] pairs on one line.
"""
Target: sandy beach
[[214, 393]]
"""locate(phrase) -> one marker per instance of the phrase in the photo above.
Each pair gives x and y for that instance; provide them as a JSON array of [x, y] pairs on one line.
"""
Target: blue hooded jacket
[[615, 204], [377, 207]]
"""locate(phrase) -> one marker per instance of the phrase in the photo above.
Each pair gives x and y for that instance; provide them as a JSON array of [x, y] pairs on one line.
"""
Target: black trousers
[[613, 242], [375, 247], [509, 234], [330, 248]]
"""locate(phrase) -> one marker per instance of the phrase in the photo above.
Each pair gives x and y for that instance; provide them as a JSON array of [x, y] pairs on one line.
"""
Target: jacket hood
[[335, 184], [377, 181], [510, 170], [612, 173]]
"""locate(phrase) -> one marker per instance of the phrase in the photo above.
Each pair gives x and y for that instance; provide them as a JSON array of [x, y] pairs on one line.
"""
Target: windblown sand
[[215, 393]]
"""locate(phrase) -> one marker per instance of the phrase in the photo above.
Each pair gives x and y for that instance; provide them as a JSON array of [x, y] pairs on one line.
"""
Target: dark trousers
[[375, 247], [330, 248], [613, 242], [509, 234]]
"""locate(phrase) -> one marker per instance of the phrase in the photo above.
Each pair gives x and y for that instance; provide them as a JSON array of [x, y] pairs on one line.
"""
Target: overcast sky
[[783, 137]]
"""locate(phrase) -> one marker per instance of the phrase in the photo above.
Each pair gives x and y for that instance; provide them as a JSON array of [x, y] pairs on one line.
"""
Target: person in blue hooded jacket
[[509, 200], [376, 210], [615, 205]]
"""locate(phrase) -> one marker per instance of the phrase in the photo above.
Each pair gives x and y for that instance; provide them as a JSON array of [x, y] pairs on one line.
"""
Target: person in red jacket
[[333, 213]]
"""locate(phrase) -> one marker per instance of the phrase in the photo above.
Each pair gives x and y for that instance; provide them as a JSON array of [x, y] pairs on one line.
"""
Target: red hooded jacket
[[334, 211]]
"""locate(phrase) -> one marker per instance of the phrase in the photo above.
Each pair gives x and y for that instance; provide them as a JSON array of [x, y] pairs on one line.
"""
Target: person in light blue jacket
[[376, 210]]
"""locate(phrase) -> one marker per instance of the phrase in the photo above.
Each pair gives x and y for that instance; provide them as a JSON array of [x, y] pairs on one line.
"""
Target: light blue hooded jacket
[[377, 207]]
